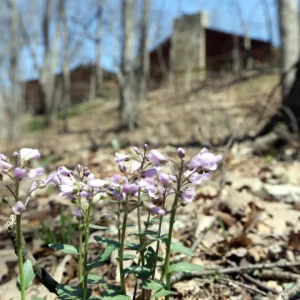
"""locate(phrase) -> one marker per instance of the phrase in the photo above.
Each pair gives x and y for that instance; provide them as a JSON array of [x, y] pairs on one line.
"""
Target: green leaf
[[163, 292], [102, 258], [69, 249], [66, 292], [118, 297], [133, 246], [178, 247], [140, 272], [150, 257], [111, 290], [105, 242], [94, 279], [93, 226], [28, 275], [153, 285], [184, 267], [128, 257]]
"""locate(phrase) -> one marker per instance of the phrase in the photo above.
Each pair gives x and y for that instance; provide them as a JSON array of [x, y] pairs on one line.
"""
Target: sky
[[222, 15]]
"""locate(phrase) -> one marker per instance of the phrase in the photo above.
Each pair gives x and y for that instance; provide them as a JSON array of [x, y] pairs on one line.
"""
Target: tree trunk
[[99, 71], [142, 69], [66, 82], [47, 74], [14, 101], [128, 103], [290, 67]]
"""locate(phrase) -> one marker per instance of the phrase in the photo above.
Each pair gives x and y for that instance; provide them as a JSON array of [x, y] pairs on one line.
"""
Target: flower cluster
[[146, 176], [78, 184], [19, 171]]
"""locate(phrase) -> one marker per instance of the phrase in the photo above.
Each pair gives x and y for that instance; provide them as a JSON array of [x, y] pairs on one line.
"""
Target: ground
[[247, 215]]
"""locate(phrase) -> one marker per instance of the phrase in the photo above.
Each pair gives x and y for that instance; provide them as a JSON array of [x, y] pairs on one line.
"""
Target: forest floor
[[243, 224]]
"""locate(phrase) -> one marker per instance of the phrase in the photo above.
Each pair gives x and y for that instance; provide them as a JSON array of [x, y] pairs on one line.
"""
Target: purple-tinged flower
[[27, 154], [155, 210], [155, 192], [188, 195], [4, 166], [18, 208], [156, 157], [91, 176], [117, 194], [96, 183], [119, 180], [63, 171], [19, 173], [86, 172], [197, 178], [163, 178], [135, 165], [36, 172], [85, 194], [66, 190], [122, 168], [205, 160], [181, 152], [146, 183], [131, 188], [136, 150], [3, 157], [16, 154], [52, 178], [67, 181], [32, 188], [77, 212], [149, 173], [120, 157]]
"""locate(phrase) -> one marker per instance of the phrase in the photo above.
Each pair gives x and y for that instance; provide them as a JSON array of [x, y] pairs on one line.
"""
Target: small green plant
[[63, 234]]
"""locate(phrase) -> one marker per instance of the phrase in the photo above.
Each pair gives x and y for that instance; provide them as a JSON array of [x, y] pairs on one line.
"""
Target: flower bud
[[18, 208], [4, 200], [86, 172], [181, 152], [122, 168]]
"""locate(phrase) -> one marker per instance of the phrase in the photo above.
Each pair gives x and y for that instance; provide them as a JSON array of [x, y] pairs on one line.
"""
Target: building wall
[[188, 43]]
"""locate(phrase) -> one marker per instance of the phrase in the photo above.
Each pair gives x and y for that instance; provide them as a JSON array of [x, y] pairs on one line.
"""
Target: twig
[[290, 293], [244, 285], [255, 281], [278, 275], [45, 278], [240, 269]]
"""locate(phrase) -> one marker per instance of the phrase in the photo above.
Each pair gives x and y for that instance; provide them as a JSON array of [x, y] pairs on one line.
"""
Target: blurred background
[[112, 72]]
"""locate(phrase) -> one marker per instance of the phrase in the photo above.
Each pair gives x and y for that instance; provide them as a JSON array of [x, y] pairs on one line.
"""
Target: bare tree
[[128, 104], [13, 97], [269, 27], [142, 68], [289, 36], [98, 65], [66, 80], [50, 63], [247, 39]]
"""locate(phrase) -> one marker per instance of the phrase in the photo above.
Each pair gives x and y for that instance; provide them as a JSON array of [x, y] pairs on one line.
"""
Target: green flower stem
[[121, 250], [86, 248], [80, 271], [172, 221], [20, 258], [80, 253], [158, 242]]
